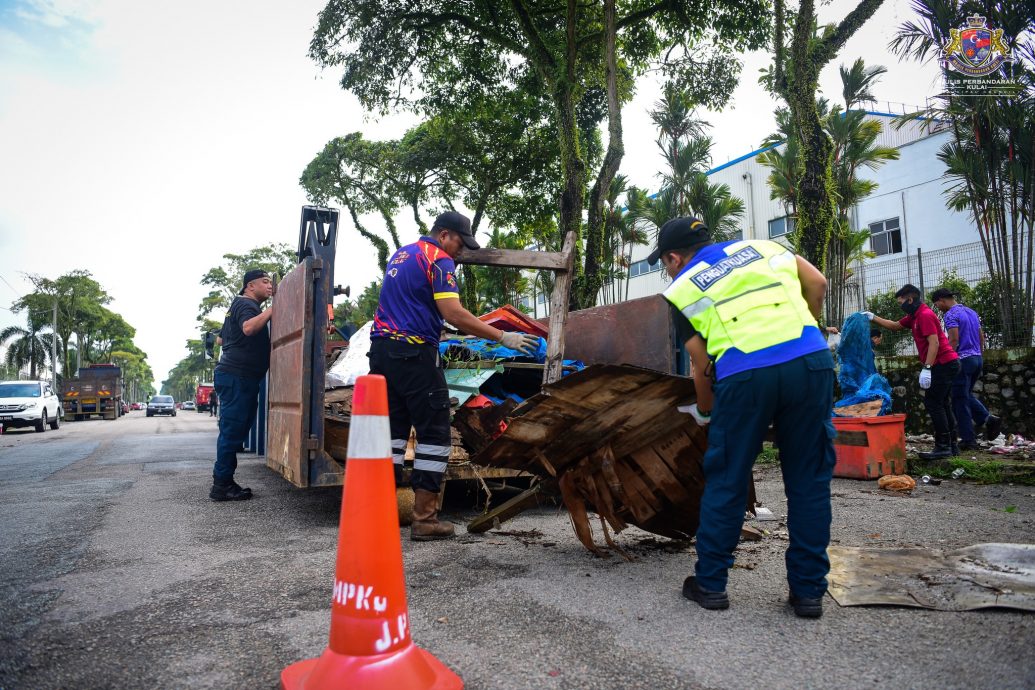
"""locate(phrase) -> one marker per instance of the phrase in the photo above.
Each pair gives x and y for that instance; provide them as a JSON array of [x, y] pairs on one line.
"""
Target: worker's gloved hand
[[522, 342], [868, 315], [702, 418], [925, 378]]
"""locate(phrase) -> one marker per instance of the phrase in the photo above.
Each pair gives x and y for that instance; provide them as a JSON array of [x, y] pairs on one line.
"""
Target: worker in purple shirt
[[963, 327]]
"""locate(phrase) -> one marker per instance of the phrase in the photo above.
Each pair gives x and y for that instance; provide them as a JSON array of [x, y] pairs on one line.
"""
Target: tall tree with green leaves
[[795, 77], [224, 280], [990, 156], [854, 137], [81, 304], [582, 58]]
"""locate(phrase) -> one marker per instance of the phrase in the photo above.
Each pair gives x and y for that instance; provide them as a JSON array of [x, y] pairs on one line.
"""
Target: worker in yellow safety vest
[[747, 313]]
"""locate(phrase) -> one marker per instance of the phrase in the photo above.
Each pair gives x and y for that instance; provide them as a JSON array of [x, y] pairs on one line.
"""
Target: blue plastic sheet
[[490, 349], [858, 375]]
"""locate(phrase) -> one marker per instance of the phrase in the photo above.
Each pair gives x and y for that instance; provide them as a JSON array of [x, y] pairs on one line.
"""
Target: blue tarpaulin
[[858, 375]]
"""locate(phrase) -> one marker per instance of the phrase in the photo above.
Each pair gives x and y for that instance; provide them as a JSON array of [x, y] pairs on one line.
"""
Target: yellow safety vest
[[744, 298]]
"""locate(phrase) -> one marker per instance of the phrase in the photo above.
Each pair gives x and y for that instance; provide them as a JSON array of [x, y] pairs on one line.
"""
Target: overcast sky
[[142, 140]]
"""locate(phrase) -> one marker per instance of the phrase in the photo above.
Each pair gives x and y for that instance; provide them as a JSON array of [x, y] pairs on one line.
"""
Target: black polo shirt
[[243, 355]]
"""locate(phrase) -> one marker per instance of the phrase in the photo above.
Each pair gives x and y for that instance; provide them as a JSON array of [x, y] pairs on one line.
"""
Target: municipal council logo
[[975, 49]]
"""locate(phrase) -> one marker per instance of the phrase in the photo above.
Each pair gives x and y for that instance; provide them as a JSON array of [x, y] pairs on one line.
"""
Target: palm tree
[[27, 347], [857, 81]]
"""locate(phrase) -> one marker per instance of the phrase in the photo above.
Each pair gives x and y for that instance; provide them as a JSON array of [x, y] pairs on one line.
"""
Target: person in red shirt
[[940, 362]]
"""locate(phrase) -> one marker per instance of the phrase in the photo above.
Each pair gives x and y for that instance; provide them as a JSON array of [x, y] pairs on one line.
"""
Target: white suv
[[28, 403]]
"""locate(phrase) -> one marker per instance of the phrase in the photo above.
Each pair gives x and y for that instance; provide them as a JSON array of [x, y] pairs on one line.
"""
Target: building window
[[641, 267], [778, 227], [886, 237], [541, 298]]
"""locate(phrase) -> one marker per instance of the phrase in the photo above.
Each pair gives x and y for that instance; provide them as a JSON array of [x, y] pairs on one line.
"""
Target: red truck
[[203, 396]]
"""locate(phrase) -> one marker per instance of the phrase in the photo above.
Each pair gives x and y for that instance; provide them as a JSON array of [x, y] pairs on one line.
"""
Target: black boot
[[713, 601], [231, 491], [955, 448], [806, 607], [993, 427], [942, 448]]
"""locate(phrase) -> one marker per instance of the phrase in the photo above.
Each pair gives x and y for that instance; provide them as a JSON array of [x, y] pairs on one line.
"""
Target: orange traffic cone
[[370, 644]]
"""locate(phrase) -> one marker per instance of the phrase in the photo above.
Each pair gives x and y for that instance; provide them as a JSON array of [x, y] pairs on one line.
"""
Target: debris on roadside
[[896, 482]]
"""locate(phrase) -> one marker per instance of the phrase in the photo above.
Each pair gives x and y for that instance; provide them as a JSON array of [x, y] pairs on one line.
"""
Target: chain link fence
[[962, 268]]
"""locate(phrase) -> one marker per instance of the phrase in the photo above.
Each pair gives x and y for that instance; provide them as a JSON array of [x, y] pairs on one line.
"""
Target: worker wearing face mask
[[940, 366]]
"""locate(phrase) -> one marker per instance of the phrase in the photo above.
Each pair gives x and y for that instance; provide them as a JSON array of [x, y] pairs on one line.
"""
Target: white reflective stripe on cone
[[429, 465], [428, 449], [369, 437]]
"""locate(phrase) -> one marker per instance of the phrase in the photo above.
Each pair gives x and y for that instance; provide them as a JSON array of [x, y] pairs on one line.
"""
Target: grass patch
[[768, 456], [981, 471]]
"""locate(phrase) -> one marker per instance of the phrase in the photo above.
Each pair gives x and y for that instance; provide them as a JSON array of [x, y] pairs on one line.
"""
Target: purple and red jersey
[[418, 275]]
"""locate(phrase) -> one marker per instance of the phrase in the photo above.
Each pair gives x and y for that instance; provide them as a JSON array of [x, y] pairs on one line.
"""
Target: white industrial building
[[906, 213]]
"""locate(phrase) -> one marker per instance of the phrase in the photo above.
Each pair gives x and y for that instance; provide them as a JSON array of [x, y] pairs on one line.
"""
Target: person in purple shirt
[[963, 327]]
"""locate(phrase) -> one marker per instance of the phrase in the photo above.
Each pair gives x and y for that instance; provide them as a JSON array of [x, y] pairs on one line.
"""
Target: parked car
[[137, 406], [29, 403], [189, 405], [161, 404]]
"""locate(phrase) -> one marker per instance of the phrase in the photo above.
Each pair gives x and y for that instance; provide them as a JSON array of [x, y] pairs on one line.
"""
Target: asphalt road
[[116, 571]]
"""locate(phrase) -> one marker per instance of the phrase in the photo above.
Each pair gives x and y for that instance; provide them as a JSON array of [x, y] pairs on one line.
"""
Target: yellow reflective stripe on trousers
[[369, 437]]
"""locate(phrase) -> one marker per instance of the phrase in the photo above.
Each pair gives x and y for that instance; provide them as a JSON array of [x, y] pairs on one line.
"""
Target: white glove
[[523, 342], [925, 378], [692, 410], [868, 315]]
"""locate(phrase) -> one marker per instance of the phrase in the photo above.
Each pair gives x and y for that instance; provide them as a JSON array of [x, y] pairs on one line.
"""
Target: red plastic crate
[[870, 447]]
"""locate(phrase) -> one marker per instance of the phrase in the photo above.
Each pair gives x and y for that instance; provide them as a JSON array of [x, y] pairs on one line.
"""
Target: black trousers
[[938, 401], [418, 397]]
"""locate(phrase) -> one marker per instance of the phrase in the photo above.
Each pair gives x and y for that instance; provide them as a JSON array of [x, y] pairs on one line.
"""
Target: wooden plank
[[516, 258], [559, 313], [511, 508]]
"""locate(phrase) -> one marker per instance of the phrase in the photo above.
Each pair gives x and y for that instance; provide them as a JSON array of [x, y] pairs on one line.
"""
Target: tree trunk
[[588, 286], [573, 166]]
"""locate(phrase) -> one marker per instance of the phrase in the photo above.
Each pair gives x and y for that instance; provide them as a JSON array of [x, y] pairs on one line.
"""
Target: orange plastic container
[[870, 447]]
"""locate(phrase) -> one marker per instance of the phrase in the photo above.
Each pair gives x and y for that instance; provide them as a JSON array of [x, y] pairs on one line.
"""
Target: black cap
[[679, 233], [458, 223], [251, 275]]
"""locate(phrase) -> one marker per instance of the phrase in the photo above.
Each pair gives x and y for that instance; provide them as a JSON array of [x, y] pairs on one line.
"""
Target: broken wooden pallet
[[612, 439]]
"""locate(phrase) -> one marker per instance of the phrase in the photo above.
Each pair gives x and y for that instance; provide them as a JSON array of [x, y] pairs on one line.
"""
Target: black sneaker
[[993, 427], [713, 601], [805, 607], [969, 445], [229, 492]]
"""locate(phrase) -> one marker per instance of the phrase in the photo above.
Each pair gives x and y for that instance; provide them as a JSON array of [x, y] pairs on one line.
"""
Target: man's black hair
[[876, 333], [942, 293], [908, 290]]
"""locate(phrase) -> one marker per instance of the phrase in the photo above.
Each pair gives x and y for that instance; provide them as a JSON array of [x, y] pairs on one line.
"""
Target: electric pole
[[53, 349]]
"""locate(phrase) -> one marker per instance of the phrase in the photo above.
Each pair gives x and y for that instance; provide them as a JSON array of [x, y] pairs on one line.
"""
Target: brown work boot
[[426, 526]]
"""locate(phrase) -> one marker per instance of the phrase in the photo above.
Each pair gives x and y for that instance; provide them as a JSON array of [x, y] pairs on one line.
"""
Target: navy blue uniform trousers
[[239, 397], [797, 397]]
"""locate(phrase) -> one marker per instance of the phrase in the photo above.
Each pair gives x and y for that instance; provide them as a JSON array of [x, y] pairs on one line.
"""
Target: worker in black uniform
[[418, 292]]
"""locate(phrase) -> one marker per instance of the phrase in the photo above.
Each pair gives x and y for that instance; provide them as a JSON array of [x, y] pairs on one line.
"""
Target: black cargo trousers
[[417, 397]]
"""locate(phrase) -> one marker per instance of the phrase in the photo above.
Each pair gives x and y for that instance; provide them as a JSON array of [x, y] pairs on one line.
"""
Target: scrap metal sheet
[[976, 577]]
